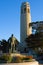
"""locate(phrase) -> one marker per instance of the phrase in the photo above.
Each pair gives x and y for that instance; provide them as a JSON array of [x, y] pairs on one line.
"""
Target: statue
[[12, 43]]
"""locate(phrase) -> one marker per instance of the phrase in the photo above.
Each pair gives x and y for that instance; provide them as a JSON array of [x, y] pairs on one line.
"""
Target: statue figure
[[12, 43]]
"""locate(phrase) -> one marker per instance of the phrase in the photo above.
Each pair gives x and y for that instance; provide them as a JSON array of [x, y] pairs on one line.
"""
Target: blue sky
[[10, 16]]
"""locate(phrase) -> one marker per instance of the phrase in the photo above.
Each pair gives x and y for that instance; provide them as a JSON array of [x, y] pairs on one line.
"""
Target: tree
[[5, 47]]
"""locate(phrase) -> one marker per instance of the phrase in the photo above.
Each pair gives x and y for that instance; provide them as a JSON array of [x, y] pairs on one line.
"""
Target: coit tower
[[25, 20]]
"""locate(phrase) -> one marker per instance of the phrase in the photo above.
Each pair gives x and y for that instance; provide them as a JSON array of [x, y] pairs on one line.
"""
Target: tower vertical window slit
[[28, 10], [24, 10], [21, 10]]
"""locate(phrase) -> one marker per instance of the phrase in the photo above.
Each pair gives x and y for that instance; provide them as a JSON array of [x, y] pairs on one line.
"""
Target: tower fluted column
[[25, 29]]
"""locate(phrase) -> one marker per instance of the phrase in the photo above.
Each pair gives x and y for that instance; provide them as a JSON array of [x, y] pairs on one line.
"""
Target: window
[[28, 10], [24, 10], [21, 10]]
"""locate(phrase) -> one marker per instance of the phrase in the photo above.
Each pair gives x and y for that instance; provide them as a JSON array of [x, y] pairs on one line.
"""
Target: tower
[[25, 29]]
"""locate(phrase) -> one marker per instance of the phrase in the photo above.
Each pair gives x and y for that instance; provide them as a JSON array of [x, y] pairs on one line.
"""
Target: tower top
[[25, 4]]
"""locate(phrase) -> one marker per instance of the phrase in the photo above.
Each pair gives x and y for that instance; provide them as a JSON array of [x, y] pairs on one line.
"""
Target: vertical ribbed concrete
[[25, 29]]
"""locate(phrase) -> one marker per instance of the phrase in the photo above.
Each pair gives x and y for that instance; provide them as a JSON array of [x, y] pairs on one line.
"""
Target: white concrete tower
[[25, 29]]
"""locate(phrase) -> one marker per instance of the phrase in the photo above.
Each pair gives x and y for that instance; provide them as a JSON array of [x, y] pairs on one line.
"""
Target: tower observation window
[[28, 10], [24, 10], [21, 10]]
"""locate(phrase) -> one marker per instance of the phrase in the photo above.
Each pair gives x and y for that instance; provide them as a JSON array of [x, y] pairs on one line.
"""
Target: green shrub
[[25, 59], [6, 58], [17, 59]]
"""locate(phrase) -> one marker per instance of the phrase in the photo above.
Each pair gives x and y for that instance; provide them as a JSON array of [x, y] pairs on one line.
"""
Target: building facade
[[25, 29]]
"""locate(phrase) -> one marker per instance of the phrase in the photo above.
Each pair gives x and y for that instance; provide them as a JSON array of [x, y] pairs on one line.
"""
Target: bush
[[17, 59], [27, 58], [6, 58]]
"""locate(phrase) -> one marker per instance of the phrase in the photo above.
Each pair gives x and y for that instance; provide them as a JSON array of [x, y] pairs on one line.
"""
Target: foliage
[[5, 46], [17, 59], [27, 58], [6, 58]]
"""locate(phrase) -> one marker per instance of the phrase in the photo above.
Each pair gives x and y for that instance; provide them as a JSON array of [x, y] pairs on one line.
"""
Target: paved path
[[24, 63], [40, 64]]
